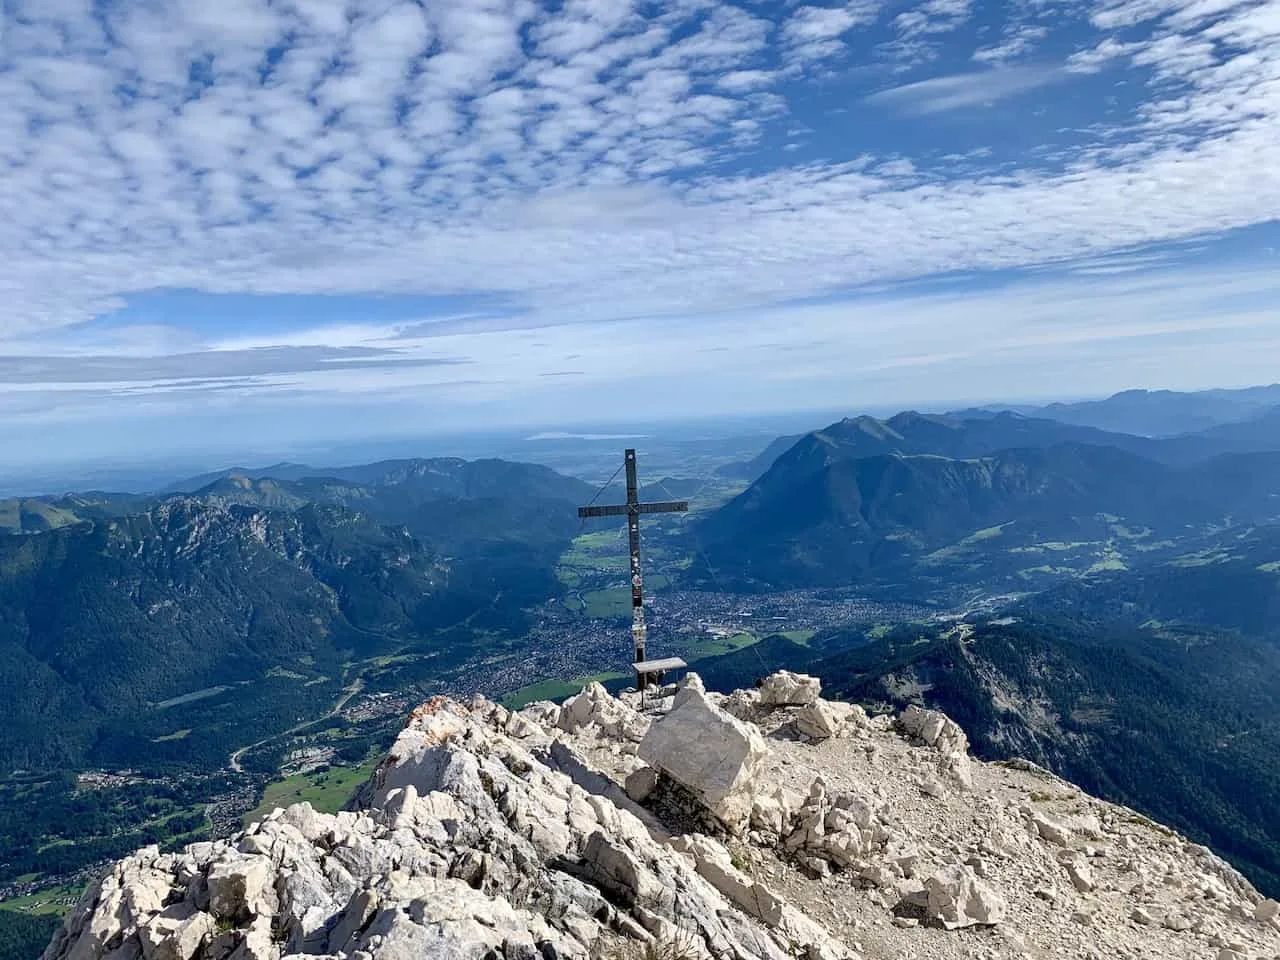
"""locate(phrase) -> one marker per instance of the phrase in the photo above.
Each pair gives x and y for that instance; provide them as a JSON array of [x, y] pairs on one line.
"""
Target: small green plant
[[1049, 796], [1139, 820], [681, 945]]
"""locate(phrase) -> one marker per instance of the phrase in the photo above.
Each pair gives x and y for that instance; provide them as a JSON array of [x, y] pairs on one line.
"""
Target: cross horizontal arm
[[621, 509], [614, 510], [678, 506]]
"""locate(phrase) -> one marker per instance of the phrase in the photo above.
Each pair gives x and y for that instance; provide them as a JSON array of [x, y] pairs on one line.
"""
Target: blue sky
[[337, 218]]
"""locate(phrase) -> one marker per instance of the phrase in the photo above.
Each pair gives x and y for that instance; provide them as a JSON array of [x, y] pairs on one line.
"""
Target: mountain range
[[1197, 425], [1137, 578], [116, 604], [1161, 413], [867, 498]]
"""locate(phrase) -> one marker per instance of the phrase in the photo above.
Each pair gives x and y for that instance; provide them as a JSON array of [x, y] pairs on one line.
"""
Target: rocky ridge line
[[767, 824]]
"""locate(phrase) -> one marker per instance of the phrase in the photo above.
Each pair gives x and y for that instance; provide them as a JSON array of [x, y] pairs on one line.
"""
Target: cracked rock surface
[[737, 827]]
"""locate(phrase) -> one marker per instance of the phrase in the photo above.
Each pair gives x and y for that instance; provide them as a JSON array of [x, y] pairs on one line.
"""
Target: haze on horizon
[[293, 222]]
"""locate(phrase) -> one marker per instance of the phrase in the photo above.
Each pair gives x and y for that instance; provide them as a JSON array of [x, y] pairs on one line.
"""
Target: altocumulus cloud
[[585, 160]]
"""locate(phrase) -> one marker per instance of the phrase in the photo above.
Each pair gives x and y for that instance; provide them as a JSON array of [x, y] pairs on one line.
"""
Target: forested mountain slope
[[843, 521], [109, 619]]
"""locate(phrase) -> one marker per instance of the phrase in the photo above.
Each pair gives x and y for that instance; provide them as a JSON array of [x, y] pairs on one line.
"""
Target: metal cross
[[632, 510]]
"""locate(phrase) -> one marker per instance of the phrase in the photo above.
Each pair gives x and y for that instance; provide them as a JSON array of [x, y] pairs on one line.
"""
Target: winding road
[[349, 691]]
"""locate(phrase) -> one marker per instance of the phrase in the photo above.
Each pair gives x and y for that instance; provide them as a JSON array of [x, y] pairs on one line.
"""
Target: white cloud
[[740, 81], [818, 23], [1017, 42], [933, 16], [979, 88], [582, 160], [1097, 57], [814, 33]]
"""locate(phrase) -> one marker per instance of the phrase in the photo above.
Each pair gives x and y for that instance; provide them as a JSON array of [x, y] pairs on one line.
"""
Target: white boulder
[[1081, 875], [177, 933], [708, 752], [241, 887], [957, 898], [937, 730], [823, 719], [818, 720], [787, 689]]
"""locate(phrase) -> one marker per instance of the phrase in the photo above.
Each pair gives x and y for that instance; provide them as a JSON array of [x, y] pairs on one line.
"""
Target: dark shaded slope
[[866, 497], [1258, 434], [844, 520], [1232, 583]]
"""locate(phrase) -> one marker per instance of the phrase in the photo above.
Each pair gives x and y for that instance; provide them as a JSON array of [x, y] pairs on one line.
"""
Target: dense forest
[[24, 937]]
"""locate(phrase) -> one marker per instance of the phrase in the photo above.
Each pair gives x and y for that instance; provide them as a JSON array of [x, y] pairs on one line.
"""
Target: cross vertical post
[[638, 627], [632, 510]]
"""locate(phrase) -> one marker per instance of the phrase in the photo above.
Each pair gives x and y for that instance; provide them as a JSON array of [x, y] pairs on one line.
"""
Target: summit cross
[[632, 510]]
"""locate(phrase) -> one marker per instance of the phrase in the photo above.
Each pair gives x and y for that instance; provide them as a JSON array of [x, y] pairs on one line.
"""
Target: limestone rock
[[1051, 829], [712, 861], [594, 707], [619, 873], [945, 736], [787, 689], [504, 835], [957, 898], [772, 812], [257, 943], [176, 933], [1081, 875], [822, 719], [742, 704], [816, 719], [709, 753], [241, 887]]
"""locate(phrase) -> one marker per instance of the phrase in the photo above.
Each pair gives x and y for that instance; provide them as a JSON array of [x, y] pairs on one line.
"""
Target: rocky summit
[[766, 824]]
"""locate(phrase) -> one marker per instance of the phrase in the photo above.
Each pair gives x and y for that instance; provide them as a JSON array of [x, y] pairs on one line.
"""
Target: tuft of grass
[[683, 945]]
